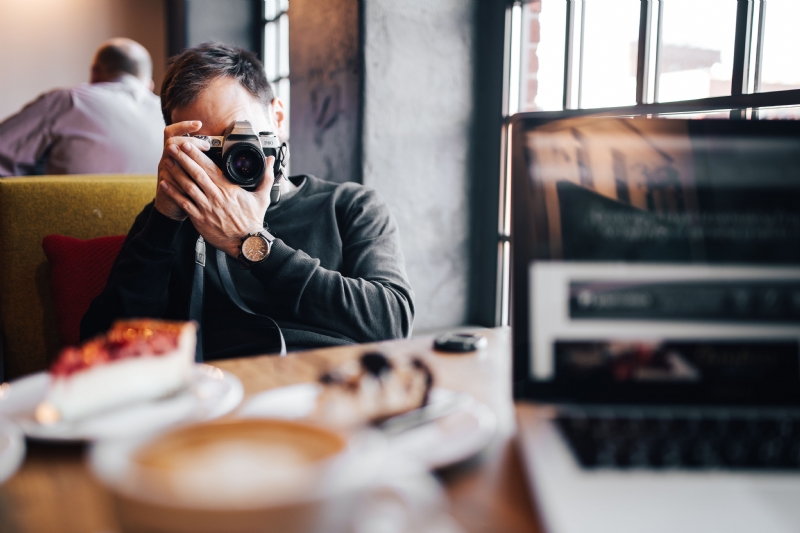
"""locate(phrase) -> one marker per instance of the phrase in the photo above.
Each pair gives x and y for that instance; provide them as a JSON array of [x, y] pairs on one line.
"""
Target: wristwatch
[[255, 248]]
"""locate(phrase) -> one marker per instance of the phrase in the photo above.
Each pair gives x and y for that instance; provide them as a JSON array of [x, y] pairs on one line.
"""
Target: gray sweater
[[335, 275]]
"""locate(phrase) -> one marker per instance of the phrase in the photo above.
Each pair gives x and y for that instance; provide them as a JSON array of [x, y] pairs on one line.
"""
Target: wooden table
[[53, 491]]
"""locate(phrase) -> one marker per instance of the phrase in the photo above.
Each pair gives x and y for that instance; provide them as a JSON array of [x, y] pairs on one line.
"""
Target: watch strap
[[267, 235]]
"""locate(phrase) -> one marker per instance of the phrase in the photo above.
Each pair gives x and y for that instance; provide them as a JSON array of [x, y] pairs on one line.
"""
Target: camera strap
[[196, 298], [280, 160], [233, 294]]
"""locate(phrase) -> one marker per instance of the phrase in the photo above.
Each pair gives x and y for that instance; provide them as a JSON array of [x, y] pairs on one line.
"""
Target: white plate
[[213, 393], [12, 447], [439, 443]]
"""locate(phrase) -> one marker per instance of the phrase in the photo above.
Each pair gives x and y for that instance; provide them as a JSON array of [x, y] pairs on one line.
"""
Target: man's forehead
[[218, 105]]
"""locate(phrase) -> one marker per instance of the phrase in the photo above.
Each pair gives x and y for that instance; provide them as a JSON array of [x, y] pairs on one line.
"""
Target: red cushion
[[78, 274]]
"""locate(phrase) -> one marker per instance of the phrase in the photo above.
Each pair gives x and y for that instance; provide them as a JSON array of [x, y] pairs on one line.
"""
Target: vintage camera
[[241, 154]]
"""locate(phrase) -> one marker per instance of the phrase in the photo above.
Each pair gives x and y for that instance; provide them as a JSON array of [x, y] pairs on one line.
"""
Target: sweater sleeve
[[370, 299], [26, 136], [139, 280]]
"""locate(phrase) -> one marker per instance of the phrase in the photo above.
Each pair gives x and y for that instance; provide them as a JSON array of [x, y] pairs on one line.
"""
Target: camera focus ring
[[245, 164]]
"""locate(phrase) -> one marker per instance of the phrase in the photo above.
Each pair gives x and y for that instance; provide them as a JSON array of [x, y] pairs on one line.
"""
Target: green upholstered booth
[[83, 207]]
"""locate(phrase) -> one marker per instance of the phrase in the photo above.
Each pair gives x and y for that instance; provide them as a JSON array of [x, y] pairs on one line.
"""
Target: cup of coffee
[[237, 475]]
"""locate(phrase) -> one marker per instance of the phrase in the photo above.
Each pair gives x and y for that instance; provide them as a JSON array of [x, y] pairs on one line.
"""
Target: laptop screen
[[656, 260]]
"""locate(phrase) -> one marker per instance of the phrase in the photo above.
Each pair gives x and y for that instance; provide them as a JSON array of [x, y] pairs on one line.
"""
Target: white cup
[[259, 475]]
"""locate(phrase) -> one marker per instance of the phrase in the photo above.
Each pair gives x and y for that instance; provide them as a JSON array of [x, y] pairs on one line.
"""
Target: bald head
[[122, 56]]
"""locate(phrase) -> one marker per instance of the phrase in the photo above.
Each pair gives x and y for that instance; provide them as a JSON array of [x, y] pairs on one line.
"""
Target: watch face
[[255, 249]]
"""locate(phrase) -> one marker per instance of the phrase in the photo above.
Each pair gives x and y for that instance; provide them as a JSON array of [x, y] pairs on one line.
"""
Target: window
[[276, 48], [542, 79], [605, 32], [695, 49], [592, 54], [594, 37], [779, 68]]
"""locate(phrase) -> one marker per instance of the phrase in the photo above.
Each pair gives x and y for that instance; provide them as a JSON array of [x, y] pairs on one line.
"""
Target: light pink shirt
[[102, 128]]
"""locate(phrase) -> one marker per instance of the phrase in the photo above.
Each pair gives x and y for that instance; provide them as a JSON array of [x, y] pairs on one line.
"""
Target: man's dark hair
[[194, 69]]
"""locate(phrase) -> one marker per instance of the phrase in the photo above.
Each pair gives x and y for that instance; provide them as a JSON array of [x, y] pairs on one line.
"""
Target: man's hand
[[221, 211], [174, 134]]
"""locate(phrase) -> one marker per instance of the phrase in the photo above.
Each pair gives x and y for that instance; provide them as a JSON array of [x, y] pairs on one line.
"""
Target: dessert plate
[[12, 446], [442, 442], [213, 393]]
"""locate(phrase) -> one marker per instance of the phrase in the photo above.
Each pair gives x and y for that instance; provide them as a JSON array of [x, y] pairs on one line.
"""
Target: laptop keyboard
[[687, 442]]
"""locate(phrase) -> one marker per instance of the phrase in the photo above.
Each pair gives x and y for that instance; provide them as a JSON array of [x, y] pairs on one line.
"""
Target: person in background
[[112, 125]]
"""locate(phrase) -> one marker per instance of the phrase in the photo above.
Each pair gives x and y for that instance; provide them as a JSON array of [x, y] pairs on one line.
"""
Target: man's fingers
[[174, 134], [199, 157], [269, 177], [195, 171], [163, 175], [180, 199], [212, 172], [200, 143], [181, 128], [186, 181], [172, 173], [263, 189], [166, 175]]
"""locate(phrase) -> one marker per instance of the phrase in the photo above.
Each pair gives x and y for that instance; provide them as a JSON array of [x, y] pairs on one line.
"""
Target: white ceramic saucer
[[439, 443], [212, 394]]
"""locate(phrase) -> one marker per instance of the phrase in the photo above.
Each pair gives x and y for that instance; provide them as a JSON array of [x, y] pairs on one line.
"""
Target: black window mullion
[[569, 55], [759, 46], [643, 52], [277, 50], [659, 27], [741, 46], [580, 54], [259, 14]]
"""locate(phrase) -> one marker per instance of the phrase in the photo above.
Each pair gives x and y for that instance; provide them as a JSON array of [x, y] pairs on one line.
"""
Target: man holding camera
[[300, 259]]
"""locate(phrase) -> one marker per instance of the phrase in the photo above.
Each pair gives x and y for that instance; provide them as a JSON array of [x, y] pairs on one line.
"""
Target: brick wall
[[530, 61]]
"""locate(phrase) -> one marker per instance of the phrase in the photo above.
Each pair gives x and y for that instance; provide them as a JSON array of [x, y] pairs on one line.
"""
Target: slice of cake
[[136, 360], [373, 388]]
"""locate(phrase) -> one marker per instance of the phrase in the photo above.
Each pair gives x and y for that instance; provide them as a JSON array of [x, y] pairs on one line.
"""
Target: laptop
[[655, 305]]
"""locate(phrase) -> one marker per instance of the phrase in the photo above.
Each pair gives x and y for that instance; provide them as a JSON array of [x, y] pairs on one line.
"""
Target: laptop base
[[572, 499]]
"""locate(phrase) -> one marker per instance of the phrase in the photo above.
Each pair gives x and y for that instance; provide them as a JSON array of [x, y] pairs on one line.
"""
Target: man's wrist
[[234, 247], [254, 228]]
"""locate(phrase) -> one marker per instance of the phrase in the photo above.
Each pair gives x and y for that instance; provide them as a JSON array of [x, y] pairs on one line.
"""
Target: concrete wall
[[418, 103], [325, 62], [46, 44]]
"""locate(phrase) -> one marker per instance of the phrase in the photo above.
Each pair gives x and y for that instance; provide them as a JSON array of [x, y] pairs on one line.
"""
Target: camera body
[[241, 154]]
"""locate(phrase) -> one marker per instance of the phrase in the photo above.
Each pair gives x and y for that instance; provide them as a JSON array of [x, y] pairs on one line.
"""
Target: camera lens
[[245, 164]]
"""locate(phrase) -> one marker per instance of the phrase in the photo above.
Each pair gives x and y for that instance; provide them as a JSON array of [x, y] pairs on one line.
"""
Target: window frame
[[279, 12], [745, 76]]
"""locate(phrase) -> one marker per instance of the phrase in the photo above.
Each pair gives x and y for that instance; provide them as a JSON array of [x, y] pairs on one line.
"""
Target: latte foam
[[239, 461]]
